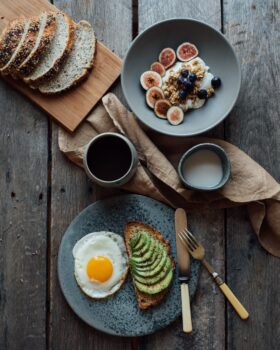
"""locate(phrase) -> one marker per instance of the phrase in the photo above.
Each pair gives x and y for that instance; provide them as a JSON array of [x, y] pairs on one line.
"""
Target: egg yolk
[[99, 268]]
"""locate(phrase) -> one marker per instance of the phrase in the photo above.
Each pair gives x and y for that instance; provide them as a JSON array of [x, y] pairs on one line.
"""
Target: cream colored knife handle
[[239, 308], [186, 308]]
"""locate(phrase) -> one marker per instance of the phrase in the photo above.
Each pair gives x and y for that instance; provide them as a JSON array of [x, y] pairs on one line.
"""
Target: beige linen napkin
[[156, 175]]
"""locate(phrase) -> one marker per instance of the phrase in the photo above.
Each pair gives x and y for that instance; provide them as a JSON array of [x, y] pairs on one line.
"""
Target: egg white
[[107, 244]]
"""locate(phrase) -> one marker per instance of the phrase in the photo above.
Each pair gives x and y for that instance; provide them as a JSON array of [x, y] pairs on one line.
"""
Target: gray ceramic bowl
[[213, 48], [224, 160]]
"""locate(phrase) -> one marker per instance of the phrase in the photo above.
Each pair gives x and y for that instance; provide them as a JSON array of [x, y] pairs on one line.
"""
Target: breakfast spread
[[151, 265], [49, 52], [178, 82], [100, 263]]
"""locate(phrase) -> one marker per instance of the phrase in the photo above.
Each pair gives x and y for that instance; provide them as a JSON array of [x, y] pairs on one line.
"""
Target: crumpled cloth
[[157, 177]]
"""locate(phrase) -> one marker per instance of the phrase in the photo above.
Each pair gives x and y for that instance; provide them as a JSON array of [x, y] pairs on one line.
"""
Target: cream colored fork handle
[[239, 308], [186, 308]]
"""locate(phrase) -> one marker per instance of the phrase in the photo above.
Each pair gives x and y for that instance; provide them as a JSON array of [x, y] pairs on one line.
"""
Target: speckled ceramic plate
[[119, 314]]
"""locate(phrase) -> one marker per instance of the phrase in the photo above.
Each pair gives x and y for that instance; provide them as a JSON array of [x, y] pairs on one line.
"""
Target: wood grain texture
[[208, 306], [69, 108], [23, 232], [253, 274], [72, 191]]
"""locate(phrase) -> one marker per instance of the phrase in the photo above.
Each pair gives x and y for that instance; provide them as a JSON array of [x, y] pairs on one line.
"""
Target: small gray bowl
[[210, 147], [213, 48]]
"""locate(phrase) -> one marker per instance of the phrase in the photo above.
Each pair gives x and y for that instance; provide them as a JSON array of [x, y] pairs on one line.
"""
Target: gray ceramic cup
[[220, 153], [126, 176]]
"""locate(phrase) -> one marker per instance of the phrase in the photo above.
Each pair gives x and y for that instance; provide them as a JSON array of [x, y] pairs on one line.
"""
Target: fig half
[[186, 52], [175, 115], [158, 67], [153, 95], [149, 79], [167, 57], [161, 108]]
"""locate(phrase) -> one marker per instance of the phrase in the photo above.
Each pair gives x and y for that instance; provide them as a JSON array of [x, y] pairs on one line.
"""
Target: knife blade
[[183, 259]]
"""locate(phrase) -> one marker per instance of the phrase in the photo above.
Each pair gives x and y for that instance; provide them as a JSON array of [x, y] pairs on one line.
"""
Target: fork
[[197, 251]]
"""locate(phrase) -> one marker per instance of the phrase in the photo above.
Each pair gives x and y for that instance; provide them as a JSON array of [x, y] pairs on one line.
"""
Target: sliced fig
[[153, 95], [167, 57], [161, 108], [158, 67], [186, 52], [149, 79], [175, 115]]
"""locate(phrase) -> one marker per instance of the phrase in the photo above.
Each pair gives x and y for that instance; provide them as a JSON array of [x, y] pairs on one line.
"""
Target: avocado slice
[[153, 272], [144, 249], [147, 256], [155, 278], [155, 288], [134, 239], [159, 252], [146, 264], [142, 240]]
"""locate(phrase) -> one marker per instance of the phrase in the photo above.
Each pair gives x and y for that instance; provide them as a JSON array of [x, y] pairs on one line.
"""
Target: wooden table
[[41, 192]]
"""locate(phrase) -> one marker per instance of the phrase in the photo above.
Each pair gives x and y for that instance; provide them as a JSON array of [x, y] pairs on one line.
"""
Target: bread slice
[[58, 50], [144, 300], [45, 36], [78, 64], [9, 40], [24, 47]]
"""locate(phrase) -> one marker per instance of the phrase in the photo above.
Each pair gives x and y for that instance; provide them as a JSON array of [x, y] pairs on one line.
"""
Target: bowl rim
[[183, 19], [221, 153]]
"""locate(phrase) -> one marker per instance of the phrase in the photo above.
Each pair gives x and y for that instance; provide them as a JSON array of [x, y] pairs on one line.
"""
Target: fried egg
[[100, 263]]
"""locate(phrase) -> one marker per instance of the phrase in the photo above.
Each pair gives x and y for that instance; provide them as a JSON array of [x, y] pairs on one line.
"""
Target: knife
[[183, 259]]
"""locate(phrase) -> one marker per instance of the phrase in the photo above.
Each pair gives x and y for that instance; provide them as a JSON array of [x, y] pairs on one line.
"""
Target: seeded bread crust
[[24, 50], [41, 45], [44, 88], [10, 39], [145, 301], [59, 61]]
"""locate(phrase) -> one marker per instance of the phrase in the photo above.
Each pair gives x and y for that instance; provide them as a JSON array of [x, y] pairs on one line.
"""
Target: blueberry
[[192, 78], [202, 94], [184, 73], [188, 85], [182, 94], [180, 80], [216, 82]]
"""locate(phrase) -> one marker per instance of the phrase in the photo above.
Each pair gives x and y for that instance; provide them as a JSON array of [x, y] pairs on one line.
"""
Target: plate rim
[[100, 328], [198, 132]]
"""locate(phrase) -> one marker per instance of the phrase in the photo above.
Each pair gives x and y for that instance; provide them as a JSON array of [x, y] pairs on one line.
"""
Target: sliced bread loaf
[[24, 47], [45, 36], [10, 39], [58, 50], [78, 63]]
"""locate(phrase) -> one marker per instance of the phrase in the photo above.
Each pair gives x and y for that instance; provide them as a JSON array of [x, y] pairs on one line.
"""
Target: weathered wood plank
[[208, 306], [23, 229], [253, 28], [71, 191]]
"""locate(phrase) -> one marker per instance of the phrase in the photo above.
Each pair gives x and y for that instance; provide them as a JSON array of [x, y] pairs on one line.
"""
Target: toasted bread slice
[[144, 300], [47, 27], [24, 47], [58, 51], [78, 63], [10, 39]]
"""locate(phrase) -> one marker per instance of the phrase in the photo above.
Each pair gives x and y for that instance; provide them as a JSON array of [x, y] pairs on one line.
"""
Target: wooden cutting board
[[69, 108]]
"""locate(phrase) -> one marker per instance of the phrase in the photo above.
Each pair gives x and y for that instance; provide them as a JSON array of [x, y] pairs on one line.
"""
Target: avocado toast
[[151, 265]]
